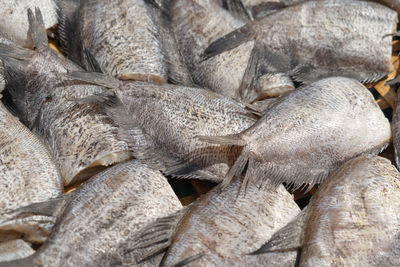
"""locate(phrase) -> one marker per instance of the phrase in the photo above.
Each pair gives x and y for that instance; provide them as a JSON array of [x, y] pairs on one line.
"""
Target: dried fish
[[100, 220], [28, 175], [196, 24], [307, 134], [128, 39], [14, 23], [222, 227], [293, 42], [353, 219], [82, 139], [161, 122]]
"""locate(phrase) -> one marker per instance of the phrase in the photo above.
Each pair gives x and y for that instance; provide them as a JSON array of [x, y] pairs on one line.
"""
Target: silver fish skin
[[14, 23], [292, 40], [15, 249], [307, 134], [225, 225], [28, 175], [99, 222], [169, 117], [198, 23], [129, 39], [2, 81], [352, 220], [81, 137]]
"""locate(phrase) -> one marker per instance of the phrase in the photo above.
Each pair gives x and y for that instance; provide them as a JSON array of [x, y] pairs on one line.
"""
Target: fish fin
[[288, 238], [37, 30], [67, 30], [233, 139], [237, 9], [90, 62], [250, 74], [95, 78], [259, 107], [14, 51], [50, 207], [188, 260], [237, 169], [227, 42], [157, 236]]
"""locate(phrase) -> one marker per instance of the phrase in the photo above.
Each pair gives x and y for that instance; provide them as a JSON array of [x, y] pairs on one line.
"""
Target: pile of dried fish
[[262, 97]]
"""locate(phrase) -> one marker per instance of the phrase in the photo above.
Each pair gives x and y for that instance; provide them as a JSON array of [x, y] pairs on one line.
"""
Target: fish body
[[225, 225], [198, 23], [82, 139], [396, 131], [99, 222], [351, 43], [170, 117], [307, 134], [128, 38], [28, 175], [14, 23], [353, 219], [15, 249]]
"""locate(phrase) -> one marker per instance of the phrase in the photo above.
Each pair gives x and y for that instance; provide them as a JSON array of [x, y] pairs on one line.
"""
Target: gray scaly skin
[[170, 117], [396, 131], [15, 249], [28, 174], [307, 134], [129, 39], [352, 220], [82, 139], [225, 226], [349, 44], [14, 23], [2, 81], [100, 221], [198, 23]]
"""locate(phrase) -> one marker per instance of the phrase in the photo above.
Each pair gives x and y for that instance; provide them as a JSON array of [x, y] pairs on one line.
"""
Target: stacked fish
[[261, 96]]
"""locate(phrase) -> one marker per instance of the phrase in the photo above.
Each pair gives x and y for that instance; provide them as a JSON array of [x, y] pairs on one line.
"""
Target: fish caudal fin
[[95, 78], [227, 42], [237, 9], [157, 236], [288, 238], [37, 30], [233, 139]]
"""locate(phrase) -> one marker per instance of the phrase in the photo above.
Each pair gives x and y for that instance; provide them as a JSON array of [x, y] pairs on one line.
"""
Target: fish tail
[[237, 9], [228, 42], [234, 139], [67, 16], [37, 30]]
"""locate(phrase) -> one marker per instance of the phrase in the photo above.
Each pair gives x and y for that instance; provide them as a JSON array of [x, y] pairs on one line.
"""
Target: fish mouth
[[97, 166], [142, 77]]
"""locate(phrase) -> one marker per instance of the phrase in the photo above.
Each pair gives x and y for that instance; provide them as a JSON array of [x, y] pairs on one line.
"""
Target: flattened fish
[[82, 139], [352, 220], [222, 227], [15, 249], [14, 23], [98, 224], [350, 43], [128, 39], [198, 23], [161, 122], [307, 134], [28, 174]]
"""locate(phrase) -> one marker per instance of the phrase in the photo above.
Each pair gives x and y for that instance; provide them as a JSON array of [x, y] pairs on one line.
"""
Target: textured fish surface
[[222, 227], [15, 249], [198, 23], [14, 23], [99, 222], [353, 219], [28, 174], [351, 43], [307, 134], [82, 139], [396, 131], [167, 118], [2, 81], [129, 39]]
